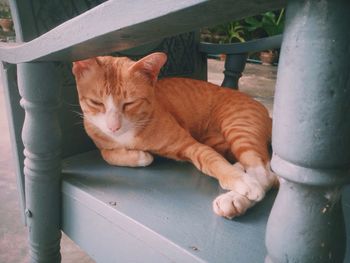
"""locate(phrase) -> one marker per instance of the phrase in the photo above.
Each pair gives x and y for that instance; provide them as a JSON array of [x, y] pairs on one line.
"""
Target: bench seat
[[163, 212]]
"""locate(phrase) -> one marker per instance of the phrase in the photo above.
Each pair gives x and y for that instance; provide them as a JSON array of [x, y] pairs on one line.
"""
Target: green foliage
[[5, 11], [235, 31], [270, 23], [267, 24], [225, 33]]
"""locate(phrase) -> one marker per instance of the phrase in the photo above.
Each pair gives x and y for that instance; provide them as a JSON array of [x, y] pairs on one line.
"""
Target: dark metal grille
[[49, 14], [181, 49]]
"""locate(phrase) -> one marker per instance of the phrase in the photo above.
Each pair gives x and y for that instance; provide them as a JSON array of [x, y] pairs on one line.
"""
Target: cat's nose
[[113, 121], [114, 127]]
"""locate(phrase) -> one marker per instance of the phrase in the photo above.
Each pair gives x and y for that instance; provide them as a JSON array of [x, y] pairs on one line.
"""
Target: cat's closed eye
[[131, 104], [128, 105], [94, 103]]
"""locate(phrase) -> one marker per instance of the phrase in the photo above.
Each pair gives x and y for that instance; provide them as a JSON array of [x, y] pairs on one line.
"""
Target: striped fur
[[131, 116]]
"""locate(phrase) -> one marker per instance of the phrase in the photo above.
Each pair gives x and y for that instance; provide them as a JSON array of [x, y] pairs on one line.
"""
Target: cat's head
[[116, 94]]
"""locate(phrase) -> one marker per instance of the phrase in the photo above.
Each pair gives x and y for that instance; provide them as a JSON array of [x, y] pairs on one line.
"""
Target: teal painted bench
[[163, 213]]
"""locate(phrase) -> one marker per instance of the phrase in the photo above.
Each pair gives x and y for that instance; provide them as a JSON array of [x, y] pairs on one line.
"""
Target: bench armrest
[[83, 36], [239, 48]]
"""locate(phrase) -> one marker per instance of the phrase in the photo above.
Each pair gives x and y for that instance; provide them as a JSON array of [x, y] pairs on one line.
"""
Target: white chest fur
[[126, 139]]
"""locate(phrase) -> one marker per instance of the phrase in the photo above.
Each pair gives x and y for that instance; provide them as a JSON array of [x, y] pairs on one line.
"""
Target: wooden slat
[[127, 24], [161, 212], [237, 48]]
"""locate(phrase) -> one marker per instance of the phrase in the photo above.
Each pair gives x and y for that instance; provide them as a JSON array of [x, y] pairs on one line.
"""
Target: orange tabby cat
[[131, 116]]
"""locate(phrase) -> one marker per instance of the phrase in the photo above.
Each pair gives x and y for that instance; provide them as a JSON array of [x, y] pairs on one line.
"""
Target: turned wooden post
[[234, 66], [311, 134], [40, 91]]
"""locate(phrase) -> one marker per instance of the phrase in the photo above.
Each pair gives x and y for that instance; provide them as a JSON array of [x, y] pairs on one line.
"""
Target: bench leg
[[40, 91], [311, 134], [234, 66]]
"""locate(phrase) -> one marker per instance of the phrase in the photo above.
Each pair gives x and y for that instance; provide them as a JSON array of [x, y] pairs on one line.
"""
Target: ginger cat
[[131, 116]]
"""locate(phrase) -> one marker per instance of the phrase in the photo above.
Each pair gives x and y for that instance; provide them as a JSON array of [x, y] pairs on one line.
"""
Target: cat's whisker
[[79, 114], [141, 123], [70, 104], [78, 123]]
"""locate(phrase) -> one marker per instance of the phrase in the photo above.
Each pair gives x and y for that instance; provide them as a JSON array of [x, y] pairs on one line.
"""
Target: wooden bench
[[162, 213]]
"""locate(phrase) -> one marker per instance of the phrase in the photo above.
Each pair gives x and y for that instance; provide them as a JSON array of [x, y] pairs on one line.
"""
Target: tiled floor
[[258, 81]]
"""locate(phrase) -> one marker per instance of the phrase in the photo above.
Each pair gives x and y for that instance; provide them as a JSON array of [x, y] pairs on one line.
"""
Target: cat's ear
[[150, 65], [83, 66]]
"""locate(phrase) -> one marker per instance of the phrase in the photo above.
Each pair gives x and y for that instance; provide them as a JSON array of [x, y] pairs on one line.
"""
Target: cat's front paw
[[231, 204], [145, 159], [243, 184]]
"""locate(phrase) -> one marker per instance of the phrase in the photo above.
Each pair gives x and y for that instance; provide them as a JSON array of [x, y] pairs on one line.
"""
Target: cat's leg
[[230, 177], [180, 145], [232, 203], [217, 141], [124, 157], [258, 167], [245, 190], [248, 140]]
